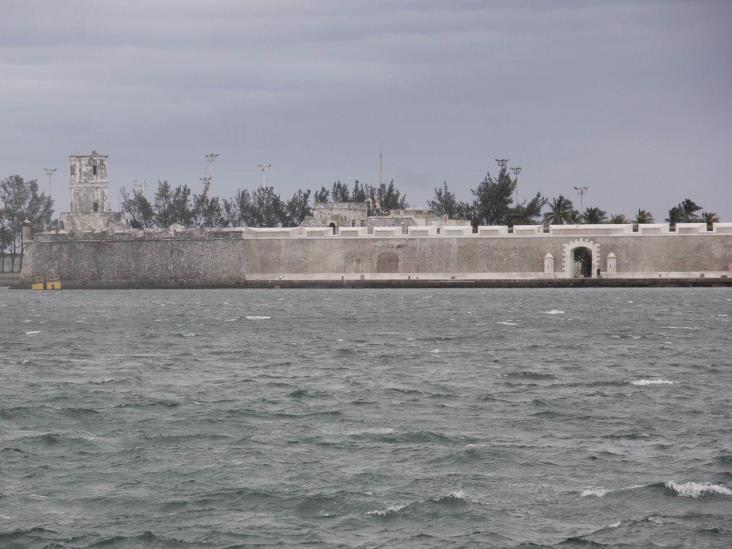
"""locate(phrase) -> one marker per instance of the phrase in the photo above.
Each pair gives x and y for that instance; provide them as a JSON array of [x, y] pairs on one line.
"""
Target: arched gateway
[[581, 259]]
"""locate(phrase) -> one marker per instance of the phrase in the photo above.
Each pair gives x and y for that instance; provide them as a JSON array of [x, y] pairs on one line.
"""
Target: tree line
[[494, 202], [262, 207]]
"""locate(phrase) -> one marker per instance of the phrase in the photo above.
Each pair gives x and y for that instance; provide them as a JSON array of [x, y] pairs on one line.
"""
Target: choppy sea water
[[365, 418]]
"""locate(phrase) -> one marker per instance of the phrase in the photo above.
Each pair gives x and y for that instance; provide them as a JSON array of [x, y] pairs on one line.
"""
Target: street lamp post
[[49, 172], [582, 191], [516, 171], [210, 158], [263, 168]]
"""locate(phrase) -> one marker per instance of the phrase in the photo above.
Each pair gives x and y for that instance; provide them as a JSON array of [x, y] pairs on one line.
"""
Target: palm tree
[[619, 219], [710, 218], [643, 216], [561, 211], [689, 209], [685, 212], [593, 216]]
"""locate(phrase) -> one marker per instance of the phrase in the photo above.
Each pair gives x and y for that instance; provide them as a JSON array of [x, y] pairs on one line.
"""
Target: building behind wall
[[89, 186]]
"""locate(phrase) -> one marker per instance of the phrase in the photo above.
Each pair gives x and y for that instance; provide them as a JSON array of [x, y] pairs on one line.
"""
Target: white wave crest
[[33, 332], [597, 492], [455, 494], [553, 312], [435, 351], [392, 509], [372, 431], [507, 323], [652, 382], [697, 489], [258, 317]]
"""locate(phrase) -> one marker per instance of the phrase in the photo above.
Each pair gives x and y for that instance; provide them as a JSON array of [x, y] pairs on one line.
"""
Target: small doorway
[[332, 225], [582, 263]]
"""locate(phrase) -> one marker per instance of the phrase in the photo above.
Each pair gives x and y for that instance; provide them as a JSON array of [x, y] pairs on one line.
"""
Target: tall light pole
[[210, 158], [140, 185], [516, 171], [502, 162], [582, 191], [49, 173], [263, 168], [381, 167]]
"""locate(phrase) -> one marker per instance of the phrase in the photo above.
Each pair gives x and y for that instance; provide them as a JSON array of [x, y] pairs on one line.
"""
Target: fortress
[[93, 248]]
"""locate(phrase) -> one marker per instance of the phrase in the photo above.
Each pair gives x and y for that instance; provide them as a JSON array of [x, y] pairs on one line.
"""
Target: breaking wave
[[643, 382], [698, 489]]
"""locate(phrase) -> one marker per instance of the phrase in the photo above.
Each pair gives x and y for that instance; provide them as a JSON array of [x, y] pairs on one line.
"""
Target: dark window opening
[[333, 226], [94, 170], [96, 206], [73, 170]]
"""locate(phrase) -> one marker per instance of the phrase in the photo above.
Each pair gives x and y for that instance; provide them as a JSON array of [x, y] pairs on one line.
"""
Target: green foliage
[[358, 194], [561, 212], [137, 209], [20, 200], [685, 212], [236, 211], [340, 192], [619, 219], [710, 218], [593, 216], [322, 195], [444, 202], [493, 197], [172, 206], [268, 209], [528, 213], [297, 209], [643, 216], [386, 197], [206, 210]]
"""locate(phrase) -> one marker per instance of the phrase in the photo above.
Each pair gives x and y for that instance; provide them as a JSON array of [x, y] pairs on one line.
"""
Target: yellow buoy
[[46, 282]]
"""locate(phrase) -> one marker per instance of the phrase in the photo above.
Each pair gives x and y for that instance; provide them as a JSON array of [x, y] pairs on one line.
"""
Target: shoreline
[[414, 283]]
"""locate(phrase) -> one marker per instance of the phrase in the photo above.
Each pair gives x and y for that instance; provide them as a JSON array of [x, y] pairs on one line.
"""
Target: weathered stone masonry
[[242, 256]]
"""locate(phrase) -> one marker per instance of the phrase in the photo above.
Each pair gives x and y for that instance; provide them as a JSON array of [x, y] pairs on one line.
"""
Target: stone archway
[[591, 249], [333, 226]]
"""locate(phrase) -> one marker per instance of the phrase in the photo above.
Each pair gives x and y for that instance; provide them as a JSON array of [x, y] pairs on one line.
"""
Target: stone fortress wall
[[238, 257], [93, 248]]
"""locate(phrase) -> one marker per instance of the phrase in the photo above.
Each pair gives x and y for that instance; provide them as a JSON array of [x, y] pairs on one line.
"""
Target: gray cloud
[[629, 98]]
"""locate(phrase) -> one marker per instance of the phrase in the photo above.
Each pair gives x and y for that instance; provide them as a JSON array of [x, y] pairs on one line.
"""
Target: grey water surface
[[366, 418]]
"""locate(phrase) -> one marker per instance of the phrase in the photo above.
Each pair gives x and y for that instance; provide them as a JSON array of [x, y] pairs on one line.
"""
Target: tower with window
[[89, 186], [89, 183]]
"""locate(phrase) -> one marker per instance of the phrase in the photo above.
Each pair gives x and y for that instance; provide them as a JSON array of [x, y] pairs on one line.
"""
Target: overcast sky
[[633, 99]]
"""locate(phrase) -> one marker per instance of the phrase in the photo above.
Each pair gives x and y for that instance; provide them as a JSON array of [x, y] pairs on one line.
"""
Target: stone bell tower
[[89, 185]]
